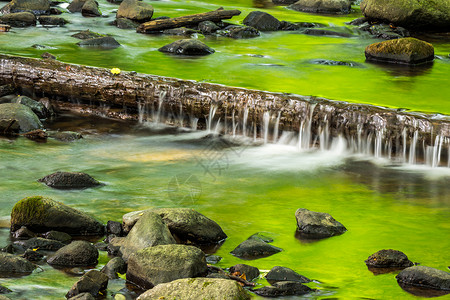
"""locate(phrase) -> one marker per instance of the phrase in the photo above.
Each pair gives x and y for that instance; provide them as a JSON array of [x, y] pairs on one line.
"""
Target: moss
[[30, 208], [206, 283]]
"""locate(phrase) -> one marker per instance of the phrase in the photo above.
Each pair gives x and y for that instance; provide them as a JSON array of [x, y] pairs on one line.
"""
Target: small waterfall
[[275, 129], [210, 118], [266, 121], [304, 133], [159, 111], [194, 123], [412, 148], [244, 122]]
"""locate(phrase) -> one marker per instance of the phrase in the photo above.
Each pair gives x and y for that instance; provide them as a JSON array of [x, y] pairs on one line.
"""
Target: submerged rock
[[164, 263], [187, 47], [101, 42], [388, 259], [277, 274], [285, 288], [424, 277], [254, 248], [69, 180], [135, 10], [408, 51], [52, 21], [317, 225], [328, 62], [64, 136], [41, 214], [16, 117], [325, 32], [182, 31], [87, 34], [239, 32], [77, 253], [197, 288], [322, 6], [93, 282], [262, 21], [14, 265], [249, 272]]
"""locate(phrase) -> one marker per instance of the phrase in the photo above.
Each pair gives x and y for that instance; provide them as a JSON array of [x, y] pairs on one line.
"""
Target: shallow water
[[246, 189], [275, 61]]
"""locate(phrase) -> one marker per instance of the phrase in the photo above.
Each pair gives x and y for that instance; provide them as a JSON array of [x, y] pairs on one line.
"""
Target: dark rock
[[249, 271], [38, 108], [388, 259], [69, 180], [424, 277], [4, 290], [187, 47], [262, 21], [325, 32], [77, 253], [93, 282], [409, 51], [288, 26], [135, 10], [101, 246], [317, 225], [11, 249], [322, 6], [180, 31], [82, 296], [277, 274], [114, 266], [286, 288], [358, 21], [14, 265], [18, 118], [217, 275], [36, 7], [90, 9], [213, 259], [114, 227], [48, 55], [52, 21], [64, 136], [283, 2], [327, 62], [385, 31], [164, 263], [239, 32], [56, 11], [21, 19], [197, 288], [87, 34], [7, 89], [101, 42], [261, 236], [33, 256], [23, 233], [208, 27], [113, 250], [57, 236], [253, 249], [124, 23], [41, 214], [40, 243]]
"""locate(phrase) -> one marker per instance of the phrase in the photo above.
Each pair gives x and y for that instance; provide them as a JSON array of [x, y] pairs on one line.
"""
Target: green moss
[[206, 283], [30, 208]]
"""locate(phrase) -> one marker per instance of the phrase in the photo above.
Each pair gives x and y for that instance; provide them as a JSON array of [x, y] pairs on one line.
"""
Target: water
[[250, 189]]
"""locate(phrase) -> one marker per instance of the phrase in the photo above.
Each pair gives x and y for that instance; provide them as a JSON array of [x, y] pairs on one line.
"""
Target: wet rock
[[286, 288], [149, 230], [239, 32], [90, 9], [254, 249], [41, 214], [7, 89], [416, 14], [114, 266], [93, 282], [262, 21], [408, 51], [197, 288], [187, 47], [124, 23], [40, 243], [16, 117], [87, 34], [57, 236], [424, 277], [217, 275], [101, 42], [23, 233], [325, 32], [64, 136], [52, 21], [113, 227], [277, 274], [358, 21], [164, 263], [317, 225], [21, 19], [38, 108], [83, 296], [135, 10], [388, 259], [322, 6], [101, 246], [213, 259], [14, 265], [48, 55], [208, 27], [77, 253], [4, 290], [328, 62], [69, 180], [36, 7], [32, 255], [180, 31], [283, 2], [261, 236], [385, 31], [249, 271]]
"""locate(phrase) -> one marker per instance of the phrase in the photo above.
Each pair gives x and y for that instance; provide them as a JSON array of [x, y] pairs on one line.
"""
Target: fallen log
[[214, 16]]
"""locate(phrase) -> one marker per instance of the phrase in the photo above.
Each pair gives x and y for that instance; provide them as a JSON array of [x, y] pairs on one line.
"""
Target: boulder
[[90, 9], [164, 263], [285, 288], [14, 265], [317, 225], [277, 274], [107, 42], [149, 231], [388, 259], [41, 214], [187, 47], [414, 14], [36, 7], [135, 10], [197, 288], [64, 136], [424, 277], [114, 266], [77, 253], [93, 282], [69, 180], [38, 108], [262, 21], [52, 21], [249, 272], [18, 118], [408, 51], [239, 32], [40, 243], [254, 249], [322, 6]]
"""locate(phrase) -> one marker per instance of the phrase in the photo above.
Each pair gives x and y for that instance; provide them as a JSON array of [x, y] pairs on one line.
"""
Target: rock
[[424, 277], [113, 227], [101, 42], [93, 282], [322, 6], [164, 263], [130, 219], [83, 296], [262, 21], [187, 47], [77, 253], [23, 233], [197, 288], [149, 230], [277, 274], [48, 55], [33, 256], [114, 266], [180, 31], [388, 259], [40, 243], [328, 62], [124, 23], [64, 136], [52, 21], [14, 265], [213, 259], [135, 10], [286, 288], [38, 108], [21, 118], [41, 214], [36, 7], [283, 2], [317, 225], [415, 14], [90, 9], [249, 271], [408, 51], [253, 249], [69, 180], [7, 89], [87, 34], [21, 19], [208, 27], [4, 290], [261, 236], [57, 236], [385, 31], [325, 32], [239, 32]]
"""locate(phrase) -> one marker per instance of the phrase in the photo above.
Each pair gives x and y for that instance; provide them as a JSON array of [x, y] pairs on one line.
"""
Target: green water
[[258, 188], [284, 67]]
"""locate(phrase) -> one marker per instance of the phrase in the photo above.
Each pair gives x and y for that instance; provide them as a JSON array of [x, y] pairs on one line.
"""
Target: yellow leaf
[[115, 71]]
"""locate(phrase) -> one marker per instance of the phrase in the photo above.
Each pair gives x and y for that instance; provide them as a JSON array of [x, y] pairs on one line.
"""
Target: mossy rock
[[409, 51], [21, 118], [135, 10], [13, 265], [41, 214], [322, 6]]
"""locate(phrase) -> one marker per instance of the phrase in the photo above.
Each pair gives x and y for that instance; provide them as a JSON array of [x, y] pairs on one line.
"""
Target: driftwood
[[214, 16]]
